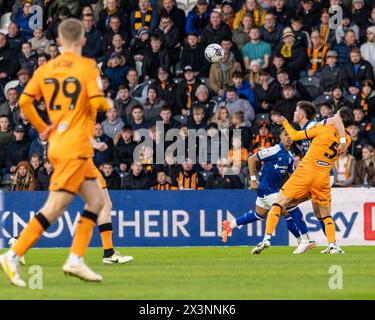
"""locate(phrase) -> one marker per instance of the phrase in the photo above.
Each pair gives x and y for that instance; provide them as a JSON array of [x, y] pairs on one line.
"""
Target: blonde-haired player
[[70, 85]]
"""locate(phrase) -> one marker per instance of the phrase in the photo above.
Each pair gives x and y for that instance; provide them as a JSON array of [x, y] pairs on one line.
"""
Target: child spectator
[[39, 42], [44, 176], [124, 148]]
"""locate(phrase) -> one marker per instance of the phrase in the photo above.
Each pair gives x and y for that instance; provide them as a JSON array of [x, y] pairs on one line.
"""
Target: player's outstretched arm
[[296, 135], [336, 121], [28, 108], [252, 163]]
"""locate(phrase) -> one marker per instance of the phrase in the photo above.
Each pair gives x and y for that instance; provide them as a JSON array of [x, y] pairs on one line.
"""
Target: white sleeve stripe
[[269, 152]]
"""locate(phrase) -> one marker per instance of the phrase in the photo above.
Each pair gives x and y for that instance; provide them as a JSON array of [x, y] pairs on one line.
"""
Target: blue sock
[[292, 227], [248, 217], [297, 217], [322, 225]]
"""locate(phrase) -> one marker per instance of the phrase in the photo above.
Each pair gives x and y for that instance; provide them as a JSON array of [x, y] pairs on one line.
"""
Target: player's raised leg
[[110, 256], [94, 202], [10, 261]]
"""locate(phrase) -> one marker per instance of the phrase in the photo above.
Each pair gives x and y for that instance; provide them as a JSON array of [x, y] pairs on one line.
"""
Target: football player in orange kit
[[71, 86], [311, 178]]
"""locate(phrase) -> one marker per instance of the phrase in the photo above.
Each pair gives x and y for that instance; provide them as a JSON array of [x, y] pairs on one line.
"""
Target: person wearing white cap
[[368, 48]]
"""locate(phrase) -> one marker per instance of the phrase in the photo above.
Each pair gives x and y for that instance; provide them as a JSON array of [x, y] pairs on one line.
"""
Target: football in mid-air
[[214, 52]]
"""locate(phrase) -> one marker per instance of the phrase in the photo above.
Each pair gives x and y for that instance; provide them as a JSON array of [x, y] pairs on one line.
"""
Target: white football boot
[[80, 270], [261, 246], [117, 258], [11, 243], [11, 267]]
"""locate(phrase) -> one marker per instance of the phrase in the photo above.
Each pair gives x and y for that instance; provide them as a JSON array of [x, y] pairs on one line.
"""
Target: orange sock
[[106, 235], [30, 235], [273, 218], [83, 233], [330, 229]]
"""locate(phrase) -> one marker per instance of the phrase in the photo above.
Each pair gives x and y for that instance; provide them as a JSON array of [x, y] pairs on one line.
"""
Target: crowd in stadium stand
[[151, 57]]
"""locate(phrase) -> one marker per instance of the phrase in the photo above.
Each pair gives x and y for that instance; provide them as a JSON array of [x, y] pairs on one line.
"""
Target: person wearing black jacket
[[222, 180], [124, 103], [282, 13], [124, 149], [94, 38], [216, 30], [137, 178], [170, 37], [62, 14], [309, 14], [267, 93], [18, 149], [103, 149], [357, 71], [155, 58], [331, 73], [115, 27], [193, 55], [14, 37], [287, 106], [282, 78], [44, 176], [112, 9], [112, 178], [166, 88], [177, 15], [8, 65]]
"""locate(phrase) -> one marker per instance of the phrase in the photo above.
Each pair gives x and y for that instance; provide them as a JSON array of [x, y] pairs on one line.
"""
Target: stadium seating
[[322, 99], [4, 31], [5, 20], [10, 84], [312, 85]]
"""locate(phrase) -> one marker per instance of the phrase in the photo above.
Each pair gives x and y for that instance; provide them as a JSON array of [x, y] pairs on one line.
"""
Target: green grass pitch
[[204, 273]]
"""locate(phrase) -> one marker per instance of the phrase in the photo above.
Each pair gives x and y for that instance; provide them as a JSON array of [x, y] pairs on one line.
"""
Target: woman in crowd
[[365, 168], [24, 179]]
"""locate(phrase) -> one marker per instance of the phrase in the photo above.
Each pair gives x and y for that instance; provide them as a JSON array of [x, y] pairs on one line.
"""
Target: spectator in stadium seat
[[250, 7], [133, 79], [140, 45], [223, 179], [23, 20], [266, 93], [302, 37], [221, 118], [360, 12], [271, 32], [282, 13], [287, 105], [343, 49], [221, 73], [23, 79], [293, 53], [103, 148], [10, 107], [72, 5], [215, 30], [316, 55], [188, 178], [112, 178], [229, 46], [177, 15], [124, 103], [62, 14], [237, 122], [116, 70], [6, 132], [44, 176], [162, 181], [207, 171], [240, 36], [113, 123], [144, 16], [170, 37], [168, 122], [309, 14], [356, 72], [254, 73], [30, 131], [185, 91], [93, 47], [23, 178], [152, 105], [156, 57], [325, 111], [365, 168], [368, 48], [338, 99], [282, 78], [27, 59], [277, 64], [256, 49], [18, 149], [124, 146], [36, 164], [346, 25], [198, 18], [263, 139], [193, 55], [366, 99], [112, 9], [115, 28], [203, 99], [42, 59], [358, 142], [234, 104], [369, 22], [137, 178], [138, 120], [39, 146], [39, 43], [227, 9], [14, 37], [327, 34], [8, 65], [165, 87], [344, 170], [244, 90], [196, 120], [331, 74], [18, 6], [361, 121], [53, 51]]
